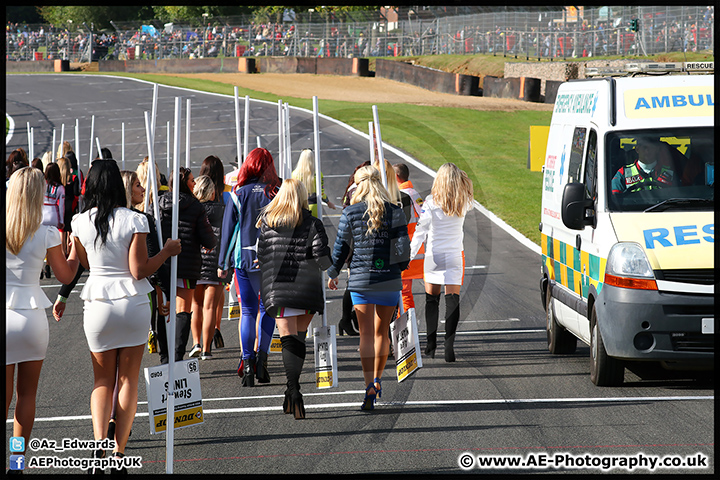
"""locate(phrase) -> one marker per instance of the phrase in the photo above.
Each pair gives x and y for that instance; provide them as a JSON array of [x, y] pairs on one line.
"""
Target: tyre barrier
[[523, 88], [322, 66], [319, 66], [173, 65], [551, 88], [428, 78]]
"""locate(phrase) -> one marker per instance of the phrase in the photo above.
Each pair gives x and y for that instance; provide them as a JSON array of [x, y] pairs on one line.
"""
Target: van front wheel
[[605, 371], [559, 339]]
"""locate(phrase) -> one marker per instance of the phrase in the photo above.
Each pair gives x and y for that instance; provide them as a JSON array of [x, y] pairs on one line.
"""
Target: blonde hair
[[392, 187], [452, 190], [305, 170], [129, 178], [285, 210], [371, 191], [46, 159], [23, 207], [142, 173], [65, 170], [63, 149], [204, 188]]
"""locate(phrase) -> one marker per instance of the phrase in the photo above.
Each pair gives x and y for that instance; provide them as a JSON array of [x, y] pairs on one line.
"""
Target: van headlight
[[628, 267]]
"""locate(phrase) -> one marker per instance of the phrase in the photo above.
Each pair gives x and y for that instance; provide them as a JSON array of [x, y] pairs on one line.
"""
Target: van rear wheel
[[605, 371], [559, 339]]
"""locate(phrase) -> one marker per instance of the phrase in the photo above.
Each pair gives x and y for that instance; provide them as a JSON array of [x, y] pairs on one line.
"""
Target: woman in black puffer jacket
[[292, 253], [194, 232]]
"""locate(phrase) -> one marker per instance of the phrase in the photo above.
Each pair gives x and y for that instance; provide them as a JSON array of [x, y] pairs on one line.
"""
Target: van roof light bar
[[649, 68]]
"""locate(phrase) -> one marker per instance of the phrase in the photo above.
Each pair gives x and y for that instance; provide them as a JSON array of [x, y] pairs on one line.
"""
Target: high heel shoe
[[122, 470], [262, 374], [248, 369], [97, 470], [218, 339], [345, 327], [378, 388], [297, 406], [111, 429], [449, 353], [431, 345], [286, 403], [369, 401]]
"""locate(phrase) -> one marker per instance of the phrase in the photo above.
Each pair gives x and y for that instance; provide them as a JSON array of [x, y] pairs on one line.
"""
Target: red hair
[[259, 166]]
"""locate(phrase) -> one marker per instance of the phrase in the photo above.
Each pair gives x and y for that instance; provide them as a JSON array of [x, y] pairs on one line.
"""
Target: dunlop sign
[[188, 398], [325, 357], [406, 344]]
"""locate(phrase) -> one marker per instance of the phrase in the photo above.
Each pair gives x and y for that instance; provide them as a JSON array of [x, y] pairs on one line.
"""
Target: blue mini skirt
[[375, 298]]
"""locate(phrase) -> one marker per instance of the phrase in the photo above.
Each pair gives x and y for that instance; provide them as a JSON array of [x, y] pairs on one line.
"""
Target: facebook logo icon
[[17, 462]]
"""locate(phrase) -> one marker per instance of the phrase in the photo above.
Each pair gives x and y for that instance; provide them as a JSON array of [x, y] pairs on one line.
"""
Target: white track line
[[339, 405]]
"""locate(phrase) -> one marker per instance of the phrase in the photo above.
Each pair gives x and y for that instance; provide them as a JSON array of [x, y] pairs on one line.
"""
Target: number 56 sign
[[188, 398]]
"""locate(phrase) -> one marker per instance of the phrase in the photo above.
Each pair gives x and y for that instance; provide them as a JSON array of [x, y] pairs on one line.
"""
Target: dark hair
[[184, 177], [37, 163], [402, 171], [15, 161], [52, 174], [259, 165], [106, 154], [212, 167], [15, 155], [104, 190], [73, 159]]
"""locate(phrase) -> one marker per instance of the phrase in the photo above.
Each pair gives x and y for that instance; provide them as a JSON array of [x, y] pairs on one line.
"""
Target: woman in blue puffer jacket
[[375, 230]]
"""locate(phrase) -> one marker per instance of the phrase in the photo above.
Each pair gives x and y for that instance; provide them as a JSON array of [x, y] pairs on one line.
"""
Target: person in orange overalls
[[415, 270]]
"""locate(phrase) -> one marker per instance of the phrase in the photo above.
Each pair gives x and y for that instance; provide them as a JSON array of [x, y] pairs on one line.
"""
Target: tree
[[18, 14], [99, 15], [192, 13]]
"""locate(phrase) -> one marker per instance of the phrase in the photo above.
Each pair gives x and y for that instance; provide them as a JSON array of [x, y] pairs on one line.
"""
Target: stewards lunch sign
[[188, 398]]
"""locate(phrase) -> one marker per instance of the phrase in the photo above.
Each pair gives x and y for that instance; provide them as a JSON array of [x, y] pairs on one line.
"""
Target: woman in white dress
[[27, 243], [440, 227], [110, 241]]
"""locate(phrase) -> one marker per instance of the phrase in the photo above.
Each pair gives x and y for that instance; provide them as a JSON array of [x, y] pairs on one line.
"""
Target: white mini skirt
[[26, 335], [123, 322], [444, 268]]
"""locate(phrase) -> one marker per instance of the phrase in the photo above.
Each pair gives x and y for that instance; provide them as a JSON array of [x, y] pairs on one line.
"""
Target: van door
[[566, 255], [588, 255]]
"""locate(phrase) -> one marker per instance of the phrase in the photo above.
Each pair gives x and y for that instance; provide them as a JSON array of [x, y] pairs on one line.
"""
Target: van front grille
[[699, 276], [692, 342]]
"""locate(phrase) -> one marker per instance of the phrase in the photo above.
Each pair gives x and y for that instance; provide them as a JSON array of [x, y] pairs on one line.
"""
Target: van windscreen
[[661, 169]]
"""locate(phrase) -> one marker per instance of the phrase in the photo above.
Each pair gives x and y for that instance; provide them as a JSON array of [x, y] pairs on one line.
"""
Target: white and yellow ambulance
[[627, 221]]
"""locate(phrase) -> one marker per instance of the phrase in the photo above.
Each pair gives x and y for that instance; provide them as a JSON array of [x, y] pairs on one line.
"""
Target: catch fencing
[[558, 34]]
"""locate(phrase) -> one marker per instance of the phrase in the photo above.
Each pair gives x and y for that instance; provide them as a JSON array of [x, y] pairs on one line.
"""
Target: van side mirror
[[577, 211]]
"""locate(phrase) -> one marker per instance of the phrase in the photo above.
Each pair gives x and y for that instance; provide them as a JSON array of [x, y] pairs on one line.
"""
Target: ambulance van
[[627, 222]]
